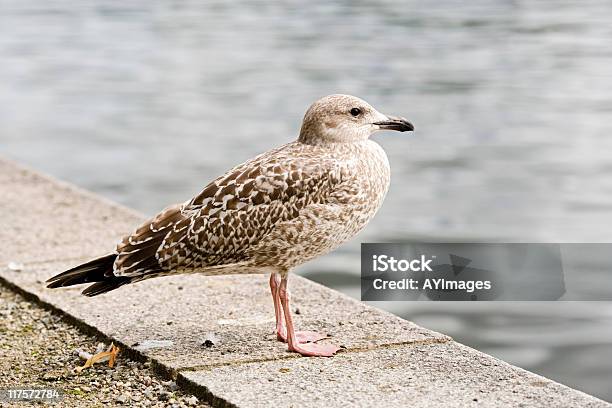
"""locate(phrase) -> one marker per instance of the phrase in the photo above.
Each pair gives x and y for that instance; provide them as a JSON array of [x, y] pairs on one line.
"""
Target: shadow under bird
[[267, 215]]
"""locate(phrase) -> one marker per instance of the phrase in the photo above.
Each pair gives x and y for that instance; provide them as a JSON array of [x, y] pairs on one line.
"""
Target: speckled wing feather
[[232, 214]]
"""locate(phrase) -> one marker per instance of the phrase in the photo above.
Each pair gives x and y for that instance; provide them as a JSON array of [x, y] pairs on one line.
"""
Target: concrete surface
[[49, 226], [44, 220], [237, 309], [432, 375]]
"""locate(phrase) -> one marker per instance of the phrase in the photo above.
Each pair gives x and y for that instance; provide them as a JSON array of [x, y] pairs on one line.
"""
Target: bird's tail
[[99, 270]]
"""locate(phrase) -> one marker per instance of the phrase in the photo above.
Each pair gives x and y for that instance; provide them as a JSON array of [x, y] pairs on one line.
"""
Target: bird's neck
[[330, 137]]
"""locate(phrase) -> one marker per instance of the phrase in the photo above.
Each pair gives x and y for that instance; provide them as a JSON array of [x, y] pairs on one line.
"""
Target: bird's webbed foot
[[314, 349], [302, 336]]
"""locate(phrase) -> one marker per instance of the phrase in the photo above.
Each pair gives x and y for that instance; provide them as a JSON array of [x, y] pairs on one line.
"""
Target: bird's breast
[[367, 177]]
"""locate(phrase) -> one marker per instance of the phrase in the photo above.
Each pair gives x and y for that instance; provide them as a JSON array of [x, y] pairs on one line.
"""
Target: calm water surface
[[512, 101]]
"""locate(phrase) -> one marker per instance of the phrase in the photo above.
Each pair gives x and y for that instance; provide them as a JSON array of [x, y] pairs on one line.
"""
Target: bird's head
[[345, 119]]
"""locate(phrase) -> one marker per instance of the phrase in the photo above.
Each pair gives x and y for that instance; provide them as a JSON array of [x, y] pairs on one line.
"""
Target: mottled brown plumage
[[269, 214]]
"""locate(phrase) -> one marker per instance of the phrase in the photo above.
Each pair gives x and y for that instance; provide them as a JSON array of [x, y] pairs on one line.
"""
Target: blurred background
[[146, 102]]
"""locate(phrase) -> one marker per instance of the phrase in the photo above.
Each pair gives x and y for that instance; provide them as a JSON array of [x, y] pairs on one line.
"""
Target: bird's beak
[[395, 123]]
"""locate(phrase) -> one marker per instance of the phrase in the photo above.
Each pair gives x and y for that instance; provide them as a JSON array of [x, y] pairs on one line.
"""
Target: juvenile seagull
[[267, 215]]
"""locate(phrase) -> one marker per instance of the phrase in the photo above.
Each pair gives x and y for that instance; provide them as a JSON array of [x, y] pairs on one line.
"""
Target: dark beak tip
[[404, 125], [397, 124]]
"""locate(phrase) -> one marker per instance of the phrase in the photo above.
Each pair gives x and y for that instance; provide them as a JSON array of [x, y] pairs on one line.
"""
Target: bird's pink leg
[[281, 334], [305, 349], [275, 289]]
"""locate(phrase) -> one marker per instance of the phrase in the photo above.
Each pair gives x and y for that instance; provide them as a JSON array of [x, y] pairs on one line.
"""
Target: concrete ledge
[[238, 310], [48, 226], [44, 219], [430, 375]]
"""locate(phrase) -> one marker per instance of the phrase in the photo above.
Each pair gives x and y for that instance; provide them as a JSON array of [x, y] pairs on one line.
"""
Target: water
[[146, 103]]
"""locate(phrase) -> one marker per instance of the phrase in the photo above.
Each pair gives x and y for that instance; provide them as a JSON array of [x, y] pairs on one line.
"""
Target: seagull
[[268, 215]]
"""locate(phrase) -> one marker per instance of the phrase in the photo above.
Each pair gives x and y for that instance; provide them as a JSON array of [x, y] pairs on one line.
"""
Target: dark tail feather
[[99, 270], [106, 286]]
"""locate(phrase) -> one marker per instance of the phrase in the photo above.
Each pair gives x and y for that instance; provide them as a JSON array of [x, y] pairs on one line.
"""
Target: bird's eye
[[355, 111]]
